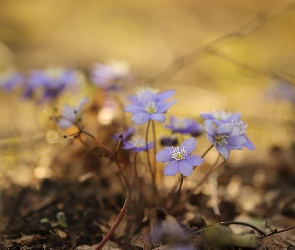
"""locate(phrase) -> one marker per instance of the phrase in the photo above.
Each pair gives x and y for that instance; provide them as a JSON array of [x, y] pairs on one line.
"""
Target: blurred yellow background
[[150, 36]]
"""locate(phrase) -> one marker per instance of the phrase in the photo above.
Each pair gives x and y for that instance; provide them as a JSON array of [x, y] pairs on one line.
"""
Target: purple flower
[[159, 96], [281, 90], [70, 115], [137, 144], [184, 126], [126, 135], [106, 76], [225, 137], [9, 80], [179, 158], [220, 117], [52, 81], [148, 107]]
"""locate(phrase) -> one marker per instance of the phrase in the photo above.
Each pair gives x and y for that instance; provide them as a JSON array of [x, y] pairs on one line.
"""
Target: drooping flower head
[[149, 106], [220, 117], [106, 76], [51, 81], [225, 137], [184, 126], [10, 79], [180, 158], [137, 144], [70, 115]]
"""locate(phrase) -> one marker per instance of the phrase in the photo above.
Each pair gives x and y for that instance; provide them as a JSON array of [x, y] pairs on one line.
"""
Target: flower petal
[[236, 140], [249, 145], [82, 102], [185, 168], [210, 128], [133, 108], [147, 96], [164, 155], [163, 107], [64, 123], [194, 160], [158, 117], [223, 151], [224, 128], [189, 144], [233, 116], [140, 118], [68, 113], [166, 94], [171, 168], [207, 116]]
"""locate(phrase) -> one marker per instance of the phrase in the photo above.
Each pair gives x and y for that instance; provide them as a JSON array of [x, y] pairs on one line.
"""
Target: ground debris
[[274, 242]]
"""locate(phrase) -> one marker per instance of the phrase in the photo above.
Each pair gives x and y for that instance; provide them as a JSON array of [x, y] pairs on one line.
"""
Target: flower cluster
[[226, 131], [52, 81], [148, 105]]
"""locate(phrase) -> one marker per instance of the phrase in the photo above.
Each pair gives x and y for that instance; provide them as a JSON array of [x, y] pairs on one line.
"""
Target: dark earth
[[32, 218]]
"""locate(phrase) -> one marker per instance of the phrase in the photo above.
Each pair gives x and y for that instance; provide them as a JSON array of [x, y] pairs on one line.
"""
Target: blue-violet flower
[[225, 137], [69, 115], [221, 117], [137, 144], [184, 126], [52, 81], [148, 107], [180, 158]]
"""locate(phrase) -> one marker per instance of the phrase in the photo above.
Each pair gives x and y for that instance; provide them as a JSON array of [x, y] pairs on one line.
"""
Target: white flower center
[[243, 126], [180, 124], [178, 154], [151, 107], [142, 90], [221, 115], [221, 139]]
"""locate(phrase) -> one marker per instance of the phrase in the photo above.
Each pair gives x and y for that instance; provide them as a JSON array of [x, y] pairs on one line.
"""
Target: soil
[[64, 214]]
